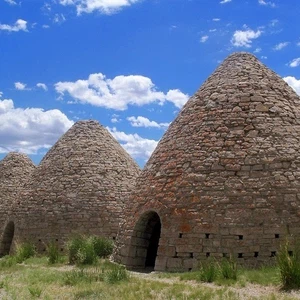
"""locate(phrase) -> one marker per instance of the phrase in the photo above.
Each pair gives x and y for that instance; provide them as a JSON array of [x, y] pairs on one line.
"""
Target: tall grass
[[289, 265], [52, 253], [228, 268], [24, 251], [208, 271], [86, 250]]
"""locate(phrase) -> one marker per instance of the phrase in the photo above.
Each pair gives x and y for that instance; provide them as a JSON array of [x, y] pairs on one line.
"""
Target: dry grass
[[35, 279]]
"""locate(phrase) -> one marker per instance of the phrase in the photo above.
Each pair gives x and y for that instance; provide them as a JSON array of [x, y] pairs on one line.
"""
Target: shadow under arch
[[7, 238], [145, 241]]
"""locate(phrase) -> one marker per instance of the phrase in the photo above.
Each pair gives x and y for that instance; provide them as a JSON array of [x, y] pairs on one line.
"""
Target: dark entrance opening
[[145, 241], [153, 246], [7, 238]]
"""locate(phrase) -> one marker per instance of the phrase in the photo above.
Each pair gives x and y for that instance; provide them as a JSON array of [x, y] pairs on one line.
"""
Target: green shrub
[[24, 251], [208, 271], [8, 261], [228, 268], [86, 250], [103, 247], [52, 253], [116, 274], [289, 265]]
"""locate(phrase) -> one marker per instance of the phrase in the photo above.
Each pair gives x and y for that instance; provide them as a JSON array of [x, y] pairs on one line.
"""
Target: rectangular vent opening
[[241, 237], [255, 254], [207, 235], [180, 235], [240, 255]]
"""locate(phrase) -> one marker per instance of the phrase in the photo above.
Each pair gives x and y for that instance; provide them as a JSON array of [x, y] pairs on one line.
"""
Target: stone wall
[[225, 178], [15, 171], [80, 186]]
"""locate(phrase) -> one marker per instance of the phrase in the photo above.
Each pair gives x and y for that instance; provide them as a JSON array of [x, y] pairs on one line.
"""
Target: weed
[[103, 247], [35, 291], [116, 274], [228, 268], [52, 253], [289, 265], [8, 261], [209, 271], [24, 251]]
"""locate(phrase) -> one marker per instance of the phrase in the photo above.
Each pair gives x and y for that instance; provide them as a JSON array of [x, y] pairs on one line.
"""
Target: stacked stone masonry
[[223, 181], [225, 178], [80, 187], [15, 169]]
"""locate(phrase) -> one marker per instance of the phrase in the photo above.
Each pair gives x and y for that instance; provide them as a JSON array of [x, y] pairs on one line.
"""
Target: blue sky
[[130, 64]]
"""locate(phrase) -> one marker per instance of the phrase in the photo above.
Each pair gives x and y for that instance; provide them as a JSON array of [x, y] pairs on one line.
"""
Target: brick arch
[[145, 241], [7, 238]]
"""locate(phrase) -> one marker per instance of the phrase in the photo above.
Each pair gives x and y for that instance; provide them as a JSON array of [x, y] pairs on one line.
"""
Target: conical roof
[[15, 171], [80, 185], [227, 166]]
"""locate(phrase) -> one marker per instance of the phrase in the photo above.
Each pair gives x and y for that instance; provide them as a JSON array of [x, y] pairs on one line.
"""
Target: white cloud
[[11, 2], [31, 129], [204, 38], [102, 6], [18, 26], [21, 86], [264, 57], [225, 1], [257, 50], [295, 62], [1, 94], [42, 86], [145, 122], [119, 92], [293, 83], [59, 18], [46, 26], [135, 145], [216, 19], [298, 44], [280, 46], [244, 38], [263, 2]]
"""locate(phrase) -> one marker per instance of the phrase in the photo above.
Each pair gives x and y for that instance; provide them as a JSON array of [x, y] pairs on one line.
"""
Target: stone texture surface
[[225, 177], [15, 170], [80, 186]]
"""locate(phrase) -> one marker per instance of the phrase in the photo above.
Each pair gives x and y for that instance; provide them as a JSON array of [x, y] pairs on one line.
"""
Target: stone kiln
[[224, 179], [80, 186], [15, 170]]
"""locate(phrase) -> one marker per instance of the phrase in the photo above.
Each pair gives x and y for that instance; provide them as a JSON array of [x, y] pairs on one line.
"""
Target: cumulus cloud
[[21, 86], [145, 122], [244, 38], [295, 62], [204, 39], [225, 1], [119, 92], [11, 2], [20, 25], [102, 6], [135, 145], [293, 83], [42, 86], [263, 2], [280, 46], [31, 129]]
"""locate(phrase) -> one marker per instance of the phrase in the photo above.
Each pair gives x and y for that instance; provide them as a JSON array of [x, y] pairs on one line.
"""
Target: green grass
[[36, 279]]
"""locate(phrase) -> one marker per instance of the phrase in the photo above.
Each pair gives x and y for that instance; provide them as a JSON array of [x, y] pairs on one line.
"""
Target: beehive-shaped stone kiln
[[80, 186], [224, 179], [15, 171]]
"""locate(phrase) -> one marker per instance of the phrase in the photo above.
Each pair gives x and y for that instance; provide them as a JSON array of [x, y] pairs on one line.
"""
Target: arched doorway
[[7, 238], [145, 241]]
